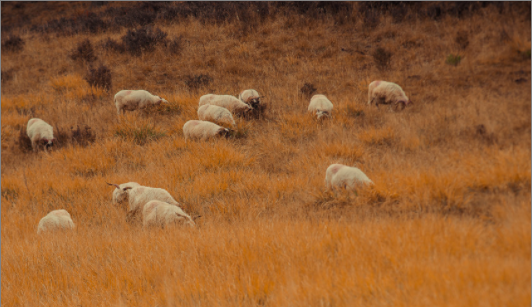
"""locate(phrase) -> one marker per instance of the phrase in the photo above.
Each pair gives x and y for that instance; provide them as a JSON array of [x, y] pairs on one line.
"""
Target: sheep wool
[[161, 214], [342, 176], [130, 100], [40, 134], [216, 114], [202, 130], [229, 102], [55, 220], [320, 105]]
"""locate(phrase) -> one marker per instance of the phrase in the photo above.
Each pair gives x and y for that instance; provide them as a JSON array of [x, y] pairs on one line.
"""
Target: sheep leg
[[33, 146]]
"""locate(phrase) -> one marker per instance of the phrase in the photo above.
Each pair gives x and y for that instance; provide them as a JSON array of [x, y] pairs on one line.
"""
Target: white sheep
[[139, 196], [229, 102], [216, 114], [343, 176], [250, 97], [321, 106], [56, 220], [159, 213], [130, 100], [40, 134], [202, 130], [383, 92], [118, 191]]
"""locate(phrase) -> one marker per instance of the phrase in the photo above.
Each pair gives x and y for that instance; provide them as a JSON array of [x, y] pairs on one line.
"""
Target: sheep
[[138, 197], [343, 176], [199, 129], [321, 105], [130, 100], [216, 114], [250, 97], [40, 134], [229, 102], [118, 190], [159, 213], [383, 92], [56, 220]]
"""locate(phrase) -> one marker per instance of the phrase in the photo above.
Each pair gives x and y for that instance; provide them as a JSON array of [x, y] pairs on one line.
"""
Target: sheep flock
[[152, 206]]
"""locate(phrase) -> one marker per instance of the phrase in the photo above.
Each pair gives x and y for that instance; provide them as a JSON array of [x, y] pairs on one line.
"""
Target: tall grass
[[447, 222]]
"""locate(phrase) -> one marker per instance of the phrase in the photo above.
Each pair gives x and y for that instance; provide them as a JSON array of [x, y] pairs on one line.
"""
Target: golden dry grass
[[446, 224]]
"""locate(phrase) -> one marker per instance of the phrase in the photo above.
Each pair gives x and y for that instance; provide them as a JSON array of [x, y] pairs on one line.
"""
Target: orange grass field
[[447, 223]]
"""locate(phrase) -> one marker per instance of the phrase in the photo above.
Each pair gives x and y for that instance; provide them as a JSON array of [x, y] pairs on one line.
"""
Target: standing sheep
[[139, 196], [118, 190], [202, 130], [55, 220], [216, 114], [130, 100], [250, 97], [229, 102], [321, 105], [383, 92], [343, 176], [159, 213], [40, 134]]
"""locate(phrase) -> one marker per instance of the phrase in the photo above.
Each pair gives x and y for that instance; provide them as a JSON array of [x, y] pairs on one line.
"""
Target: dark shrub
[[462, 39], [434, 12], [23, 142], [176, 45], [197, 81], [307, 90], [99, 77], [111, 44], [130, 18], [143, 40], [382, 58], [13, 44], [82, 137], [7, 75], [90, 22], [84, 52]]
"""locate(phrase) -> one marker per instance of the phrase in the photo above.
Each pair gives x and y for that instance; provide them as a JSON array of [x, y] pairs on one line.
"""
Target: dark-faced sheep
[[40, 134]]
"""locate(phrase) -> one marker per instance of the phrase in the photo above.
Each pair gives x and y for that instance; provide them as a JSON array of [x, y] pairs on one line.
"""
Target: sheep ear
[[126, 188], [113, 184]]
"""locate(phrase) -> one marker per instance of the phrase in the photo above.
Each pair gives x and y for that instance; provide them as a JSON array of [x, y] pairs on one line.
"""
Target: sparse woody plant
[[447, 222]]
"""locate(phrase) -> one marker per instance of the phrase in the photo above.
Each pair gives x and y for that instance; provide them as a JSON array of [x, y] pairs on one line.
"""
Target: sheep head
[[119, 195], [322, 114]]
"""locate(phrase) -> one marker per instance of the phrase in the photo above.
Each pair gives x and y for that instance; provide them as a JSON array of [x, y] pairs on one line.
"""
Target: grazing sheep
[[56, 220], [343, 176], [216, 114], [159, 213], [250, 97], [229, 102], [130, 100], [118, 190], [321, 105], [382, 92], [138, 197], [40, 134], [202, 130]]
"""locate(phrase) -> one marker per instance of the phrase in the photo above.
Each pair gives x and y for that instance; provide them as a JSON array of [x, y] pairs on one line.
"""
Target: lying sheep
[[343, 176], [382, 92], [130, 100], [40, 134], [119, 188], [321, 105], [56, 220], [250, 97], [159, 213], [229, 102], [138, 197], [202, 130], [216, 114]]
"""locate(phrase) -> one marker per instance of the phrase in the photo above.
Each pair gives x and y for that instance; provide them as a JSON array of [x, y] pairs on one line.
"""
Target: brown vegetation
[[446, 224]]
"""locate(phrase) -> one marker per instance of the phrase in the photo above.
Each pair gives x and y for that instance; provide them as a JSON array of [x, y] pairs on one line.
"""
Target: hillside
[[446, 224]]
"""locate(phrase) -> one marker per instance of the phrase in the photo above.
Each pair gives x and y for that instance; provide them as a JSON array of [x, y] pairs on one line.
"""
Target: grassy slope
[[448, 222]]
